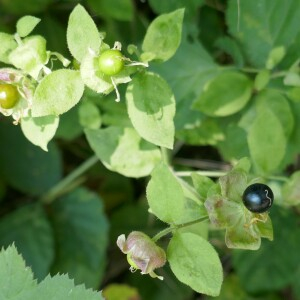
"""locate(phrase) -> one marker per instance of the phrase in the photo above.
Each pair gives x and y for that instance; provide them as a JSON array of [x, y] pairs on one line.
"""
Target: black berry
[[258, 197]]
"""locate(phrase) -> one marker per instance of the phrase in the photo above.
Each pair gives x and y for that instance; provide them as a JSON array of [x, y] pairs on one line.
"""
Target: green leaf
[[122, 10], [26, 24], [202, 184], [24, 166], [57, 93], [279, 105], [291, 190], [20, 7], [82, 33], [151, 108], [16, 282], [81, 232], [122, 150], [89, 115], [8, 44], [253, 267], [294, 94], [20, 227], [165, 195], [196, 263], [261, 80], [120, 291], [292, 79], [30, 56], [226, 94], [275, 57], [266, 136], [95, 79], [41, 130], [163, 36], [161, 7], [15, 278], [69, 126], [60, 287], [249, 22]]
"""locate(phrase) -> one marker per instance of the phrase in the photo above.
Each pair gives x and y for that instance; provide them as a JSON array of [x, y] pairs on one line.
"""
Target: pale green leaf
[[81, 232], [151, 108], [115, 291], [82, 33], [30, 56], [15, 278], [266, 141], [226, 94], [279, 105], [202, 184], [20, 227], [275, 57], [57, 93], [41, 130], [89, 115], [8, 44], [165, 195], [291, 190], [163, 36], [26, 24], [96, 80], [196, 263], [123, 150], [261, 80]]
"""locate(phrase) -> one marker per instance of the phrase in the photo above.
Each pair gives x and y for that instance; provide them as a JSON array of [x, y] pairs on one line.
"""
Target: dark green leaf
[[81, 232], [29, 229], [25, 166]]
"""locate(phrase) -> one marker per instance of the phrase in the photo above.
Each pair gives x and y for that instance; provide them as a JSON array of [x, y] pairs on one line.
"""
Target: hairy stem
[[178, 226]]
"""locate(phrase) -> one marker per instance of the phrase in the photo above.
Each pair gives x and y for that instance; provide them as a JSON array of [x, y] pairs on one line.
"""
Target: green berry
[[9, 95], [111, 62]]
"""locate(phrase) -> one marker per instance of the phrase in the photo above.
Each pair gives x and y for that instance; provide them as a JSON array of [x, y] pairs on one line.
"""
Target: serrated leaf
[[151, 108], [8, 44], [165, 195], [82, 33], [26, 24], [60, 287], [251, 26], [266, 136], [81, 232], [30, 56], [226, 94], [163, 36], [20, 227], [24, 166], [41, 130], [57, 93], [123, 150], [15, 278], [195, 262]]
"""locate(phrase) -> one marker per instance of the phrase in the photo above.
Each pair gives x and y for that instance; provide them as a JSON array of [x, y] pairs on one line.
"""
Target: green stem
[[165, 155], [64, 184], [204, 173], [174, 227]]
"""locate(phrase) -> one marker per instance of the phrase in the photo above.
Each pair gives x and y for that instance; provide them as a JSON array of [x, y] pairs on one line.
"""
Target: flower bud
[[142, 253]]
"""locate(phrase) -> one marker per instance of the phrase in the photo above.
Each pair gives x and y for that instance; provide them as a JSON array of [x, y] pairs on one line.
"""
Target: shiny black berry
[[258, 197]]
